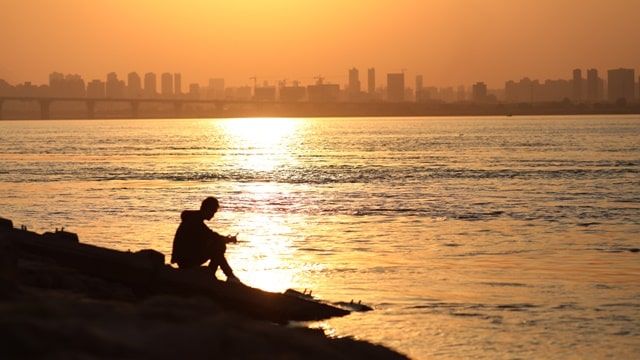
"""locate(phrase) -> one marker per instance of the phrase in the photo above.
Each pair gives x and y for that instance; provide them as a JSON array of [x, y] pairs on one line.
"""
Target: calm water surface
[[471, 237]]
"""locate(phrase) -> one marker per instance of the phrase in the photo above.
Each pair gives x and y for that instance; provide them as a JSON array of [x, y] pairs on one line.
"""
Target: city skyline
[[449, 43], [590, 86]]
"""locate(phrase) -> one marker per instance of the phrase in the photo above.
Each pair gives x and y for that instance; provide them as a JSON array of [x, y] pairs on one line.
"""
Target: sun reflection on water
[[261, 144], [262, 255], [263, 258]]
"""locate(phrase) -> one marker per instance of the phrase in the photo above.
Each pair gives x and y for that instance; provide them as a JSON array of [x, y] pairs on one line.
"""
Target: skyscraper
[[56, 84], [594, 86], [96, 89], [70, 85], [114, 87], [354, 80], [621, 85], [216, 89], [354, 84], [166, 84], [150, 85], [577, 85], [395, 87], [419, 88], [177, 84], [371, 81], [479, 92], [134, 85]]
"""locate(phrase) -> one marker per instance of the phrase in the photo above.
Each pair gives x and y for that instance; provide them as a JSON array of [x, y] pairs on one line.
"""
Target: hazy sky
[[449, 42]]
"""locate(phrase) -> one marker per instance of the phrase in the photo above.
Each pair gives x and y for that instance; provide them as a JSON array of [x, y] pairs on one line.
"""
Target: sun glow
[[263, 259], [261, 144]]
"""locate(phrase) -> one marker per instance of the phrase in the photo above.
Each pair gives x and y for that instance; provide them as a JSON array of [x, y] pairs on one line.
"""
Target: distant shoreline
[[306, 109]]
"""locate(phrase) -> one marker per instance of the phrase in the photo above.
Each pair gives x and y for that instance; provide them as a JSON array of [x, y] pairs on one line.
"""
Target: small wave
[[568, 306], [517, 307], [629, 305], [617, 250], [505, 284], [587, 224]]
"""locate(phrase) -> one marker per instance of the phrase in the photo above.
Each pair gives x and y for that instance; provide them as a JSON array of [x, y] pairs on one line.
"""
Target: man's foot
[[233, 280]]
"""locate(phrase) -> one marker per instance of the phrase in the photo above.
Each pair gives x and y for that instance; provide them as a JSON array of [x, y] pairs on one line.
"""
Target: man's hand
[[232, 239]]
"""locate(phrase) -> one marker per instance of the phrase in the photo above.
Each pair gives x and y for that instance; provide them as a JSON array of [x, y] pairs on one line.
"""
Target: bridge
[[254, 108], [225, 108], [217, 108], [134, 103]]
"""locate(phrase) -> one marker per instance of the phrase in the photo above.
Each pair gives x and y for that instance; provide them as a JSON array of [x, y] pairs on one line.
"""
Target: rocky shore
[[50, 311]]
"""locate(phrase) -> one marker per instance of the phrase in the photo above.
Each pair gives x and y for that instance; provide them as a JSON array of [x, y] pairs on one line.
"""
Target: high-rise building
[[447, 94], [594, 86], [74, 85], [523, 91], [114, 87], [419, 82], [354, 83], [134, 85], [577, 85], [395, 87], [371, 81], [419, 88], [150, 85], [56, 84], [177, 84], [96, 89], [292, 93], [166, 84], [321, 92], [621, 85], [216, 89], [70, 85], [479, 92], [264, 93], [194, 91]]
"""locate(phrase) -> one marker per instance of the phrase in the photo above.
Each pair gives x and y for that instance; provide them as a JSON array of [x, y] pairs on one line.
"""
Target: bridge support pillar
[[91, 108], [135, 107], [45, 109]]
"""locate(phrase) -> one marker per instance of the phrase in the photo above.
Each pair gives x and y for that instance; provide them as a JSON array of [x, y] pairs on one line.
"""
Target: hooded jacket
[[194, 241]]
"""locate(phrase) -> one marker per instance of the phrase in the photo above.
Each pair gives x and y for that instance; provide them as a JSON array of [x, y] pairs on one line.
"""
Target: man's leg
[[221, 261], [217, 259]]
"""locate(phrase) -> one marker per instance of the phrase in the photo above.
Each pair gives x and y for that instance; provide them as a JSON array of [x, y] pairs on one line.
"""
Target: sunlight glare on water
[[259, 144], [470, 237]]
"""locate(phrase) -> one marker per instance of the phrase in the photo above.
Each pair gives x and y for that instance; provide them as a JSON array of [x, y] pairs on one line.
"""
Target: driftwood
[[146, 273]]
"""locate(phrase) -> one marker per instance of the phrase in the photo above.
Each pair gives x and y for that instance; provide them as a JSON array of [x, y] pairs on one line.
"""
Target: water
[[486, 237]]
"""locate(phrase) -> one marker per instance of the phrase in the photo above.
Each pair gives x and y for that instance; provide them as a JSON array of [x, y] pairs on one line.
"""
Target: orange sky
[[449, 42]]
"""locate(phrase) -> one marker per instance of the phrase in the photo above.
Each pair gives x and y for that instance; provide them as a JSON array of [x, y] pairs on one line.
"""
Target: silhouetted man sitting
[[194, 243]]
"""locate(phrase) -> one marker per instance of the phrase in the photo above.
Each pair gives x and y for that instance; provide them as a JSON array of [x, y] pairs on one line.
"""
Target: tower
[[166, 84], [354, 84], [150, 85], [371, 81], [621, 85], [177, 84], [134, 85], [594, 84], [395, 87], [577, 85]]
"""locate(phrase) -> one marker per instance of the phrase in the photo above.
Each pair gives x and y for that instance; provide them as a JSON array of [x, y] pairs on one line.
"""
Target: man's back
[[189, 243]]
